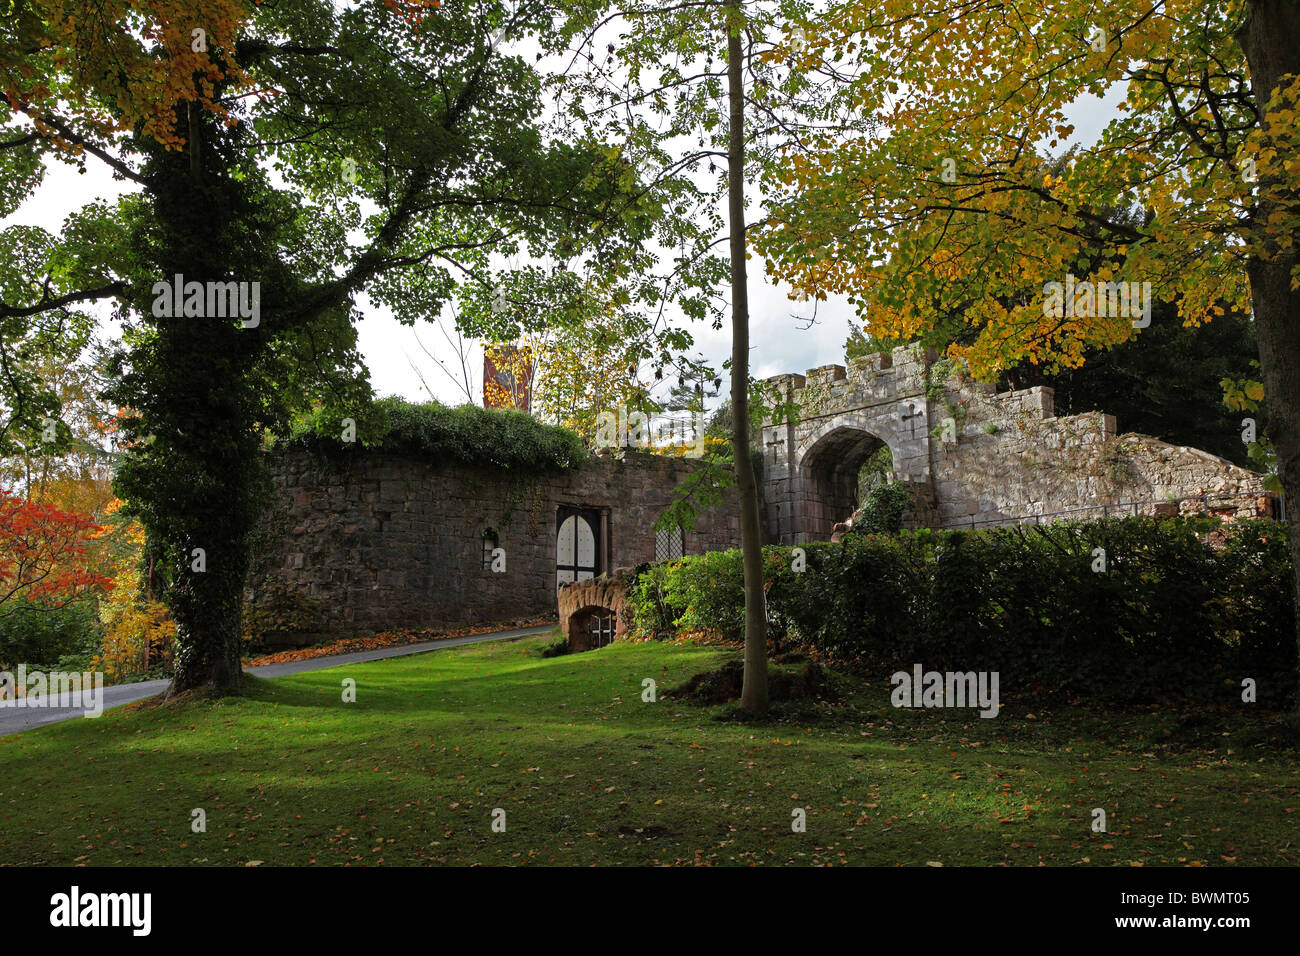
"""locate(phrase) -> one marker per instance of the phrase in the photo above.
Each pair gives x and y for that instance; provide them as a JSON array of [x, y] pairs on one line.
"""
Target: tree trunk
[[199, 480], [208, 608], [1270, 39], [753, 696]]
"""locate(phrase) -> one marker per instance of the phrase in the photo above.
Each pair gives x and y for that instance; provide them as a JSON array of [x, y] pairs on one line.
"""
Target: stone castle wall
[[376, 541], [1007, 456], [971, 455], [372, 541]]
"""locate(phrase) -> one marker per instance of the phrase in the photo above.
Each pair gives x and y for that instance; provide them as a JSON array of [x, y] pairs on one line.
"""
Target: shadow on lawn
[[811, 693]]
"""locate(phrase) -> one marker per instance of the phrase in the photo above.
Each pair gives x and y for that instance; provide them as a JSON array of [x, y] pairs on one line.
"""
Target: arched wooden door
[[577, 544]]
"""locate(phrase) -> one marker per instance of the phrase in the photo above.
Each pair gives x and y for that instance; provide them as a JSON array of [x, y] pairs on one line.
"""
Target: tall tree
[[753, 694], [950, 211], [81, 451], [594, 369], [421, 111], [592, 332]]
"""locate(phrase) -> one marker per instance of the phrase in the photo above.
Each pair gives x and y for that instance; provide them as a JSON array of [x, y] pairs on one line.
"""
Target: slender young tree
[[697, 96], [753, 696]]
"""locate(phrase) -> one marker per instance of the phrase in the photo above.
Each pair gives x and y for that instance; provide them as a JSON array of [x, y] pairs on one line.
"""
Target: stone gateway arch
[[971, 456]]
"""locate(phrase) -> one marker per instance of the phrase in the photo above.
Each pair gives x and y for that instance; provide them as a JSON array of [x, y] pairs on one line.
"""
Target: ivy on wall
[[494, 438]]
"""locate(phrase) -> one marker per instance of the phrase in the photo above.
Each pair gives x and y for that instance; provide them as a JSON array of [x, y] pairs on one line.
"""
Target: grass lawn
[[587, 772]]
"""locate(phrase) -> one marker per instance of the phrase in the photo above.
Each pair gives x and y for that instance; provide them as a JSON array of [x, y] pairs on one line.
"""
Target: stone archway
[[970, 455], [829, 469], [810, 465]]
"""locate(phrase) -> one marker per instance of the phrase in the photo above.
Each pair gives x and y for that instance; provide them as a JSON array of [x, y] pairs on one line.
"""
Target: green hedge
[[470, 435], [1170, 616]]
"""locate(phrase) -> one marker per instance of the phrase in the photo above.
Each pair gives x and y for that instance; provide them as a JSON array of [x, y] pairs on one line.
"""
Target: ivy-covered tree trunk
[[194, 479], [202, 116], [1271, 41], [753, 695]]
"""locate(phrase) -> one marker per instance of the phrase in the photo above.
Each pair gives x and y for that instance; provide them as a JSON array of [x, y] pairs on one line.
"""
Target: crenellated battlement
[[869, 379]]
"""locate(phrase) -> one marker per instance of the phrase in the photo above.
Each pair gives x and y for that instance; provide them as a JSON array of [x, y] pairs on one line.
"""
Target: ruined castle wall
[[1001, 456], [377, 541]]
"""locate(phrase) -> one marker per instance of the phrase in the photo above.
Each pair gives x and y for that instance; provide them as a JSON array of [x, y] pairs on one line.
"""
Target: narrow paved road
[[16, 719]]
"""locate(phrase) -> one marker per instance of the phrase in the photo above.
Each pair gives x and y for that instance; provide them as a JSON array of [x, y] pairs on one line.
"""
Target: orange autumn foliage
[[121, 65], [42, 551]]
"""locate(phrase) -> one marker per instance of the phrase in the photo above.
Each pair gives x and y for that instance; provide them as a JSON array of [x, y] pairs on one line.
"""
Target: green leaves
[[494, 438], [1170, 617], [1157, 199], [36, 271]]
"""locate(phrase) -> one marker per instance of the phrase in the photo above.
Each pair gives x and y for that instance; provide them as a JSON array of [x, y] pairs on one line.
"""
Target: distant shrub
[[702, 592], [38, 635], [654, 615], [882, 511]]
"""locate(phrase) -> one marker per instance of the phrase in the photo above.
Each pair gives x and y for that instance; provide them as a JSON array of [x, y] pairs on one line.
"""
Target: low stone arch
[[591, 627], [595, 612]]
